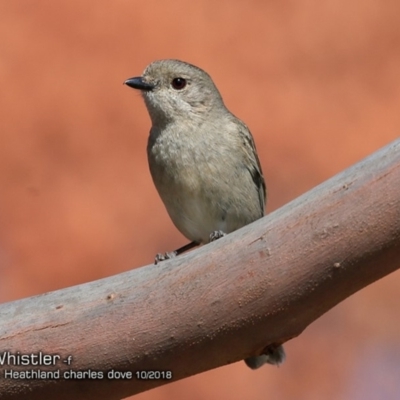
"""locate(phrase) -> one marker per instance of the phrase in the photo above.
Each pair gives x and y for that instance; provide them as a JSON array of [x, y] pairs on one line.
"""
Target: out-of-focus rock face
[[318, 84]]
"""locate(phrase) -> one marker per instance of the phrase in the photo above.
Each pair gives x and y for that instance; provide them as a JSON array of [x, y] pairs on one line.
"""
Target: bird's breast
[[204, 187], [177, 160]]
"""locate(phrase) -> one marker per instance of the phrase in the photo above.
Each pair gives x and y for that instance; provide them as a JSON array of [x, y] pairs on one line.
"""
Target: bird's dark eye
[[178, 83]]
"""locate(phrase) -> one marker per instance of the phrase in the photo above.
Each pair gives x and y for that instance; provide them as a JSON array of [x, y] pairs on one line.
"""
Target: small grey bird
[[202, 159]]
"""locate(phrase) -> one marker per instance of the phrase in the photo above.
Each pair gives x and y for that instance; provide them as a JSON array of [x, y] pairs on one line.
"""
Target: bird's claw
[[216, 235], [164, 256]]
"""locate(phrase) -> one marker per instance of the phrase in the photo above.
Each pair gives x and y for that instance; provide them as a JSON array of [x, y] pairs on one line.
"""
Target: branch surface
[[216, 305]]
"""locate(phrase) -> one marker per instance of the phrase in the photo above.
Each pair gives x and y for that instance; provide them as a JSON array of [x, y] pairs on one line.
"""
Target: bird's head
[[175, 90]]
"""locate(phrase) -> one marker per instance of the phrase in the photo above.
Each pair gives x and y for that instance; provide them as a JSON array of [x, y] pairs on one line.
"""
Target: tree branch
[[219, 304]]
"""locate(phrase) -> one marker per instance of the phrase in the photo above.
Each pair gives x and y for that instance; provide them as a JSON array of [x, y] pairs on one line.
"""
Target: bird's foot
[[216, 235], [173, 254], [164, 256]]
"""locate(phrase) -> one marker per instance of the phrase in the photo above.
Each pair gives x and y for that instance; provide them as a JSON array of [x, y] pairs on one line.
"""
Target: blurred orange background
[[318, 83]]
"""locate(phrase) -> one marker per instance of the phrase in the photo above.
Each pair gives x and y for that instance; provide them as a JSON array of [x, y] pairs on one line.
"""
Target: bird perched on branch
[[203, 160]]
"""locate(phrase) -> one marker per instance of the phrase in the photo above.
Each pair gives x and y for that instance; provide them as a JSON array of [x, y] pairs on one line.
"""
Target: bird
[[203, 161]]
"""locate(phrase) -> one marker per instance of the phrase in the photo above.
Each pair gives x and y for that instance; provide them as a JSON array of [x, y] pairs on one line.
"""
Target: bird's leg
[[167, 256], [216, 235], [172, 254]]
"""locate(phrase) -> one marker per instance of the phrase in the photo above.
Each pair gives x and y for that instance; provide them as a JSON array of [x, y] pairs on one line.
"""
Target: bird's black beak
[[139, 83]]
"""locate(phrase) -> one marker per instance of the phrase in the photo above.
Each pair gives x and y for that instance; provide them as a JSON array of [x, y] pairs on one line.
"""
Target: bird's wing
[[254, 165]]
